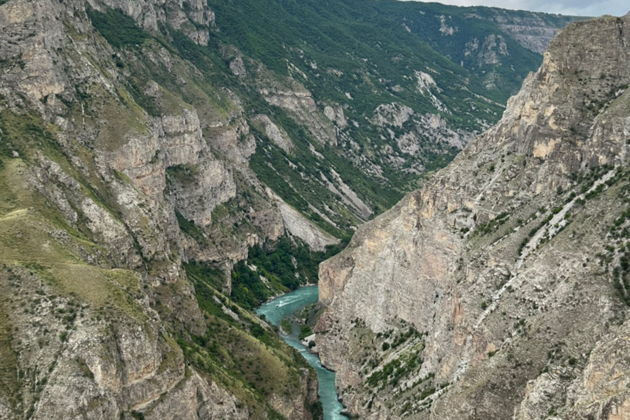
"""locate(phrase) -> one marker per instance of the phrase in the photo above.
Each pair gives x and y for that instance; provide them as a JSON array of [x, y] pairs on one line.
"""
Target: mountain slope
[[500, 289], [101, 198], [401, 97]]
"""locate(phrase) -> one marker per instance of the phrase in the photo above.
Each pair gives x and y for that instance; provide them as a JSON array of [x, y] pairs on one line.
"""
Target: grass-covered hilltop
[[166, 166]]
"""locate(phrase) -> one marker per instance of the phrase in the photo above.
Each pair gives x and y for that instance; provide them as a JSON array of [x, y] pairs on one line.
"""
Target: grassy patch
[[120, 119], [279, 267], [191, 229], [25, 237], [99, 287], [117, 28]]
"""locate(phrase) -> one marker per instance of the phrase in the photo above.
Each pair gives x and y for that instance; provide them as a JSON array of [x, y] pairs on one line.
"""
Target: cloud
[[565, 7]]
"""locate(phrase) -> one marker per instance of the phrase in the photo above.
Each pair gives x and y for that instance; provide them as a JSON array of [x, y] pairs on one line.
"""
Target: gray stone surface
[[503, 263]]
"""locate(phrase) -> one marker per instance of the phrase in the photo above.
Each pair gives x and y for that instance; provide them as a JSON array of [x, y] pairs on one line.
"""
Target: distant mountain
[[391, 89]]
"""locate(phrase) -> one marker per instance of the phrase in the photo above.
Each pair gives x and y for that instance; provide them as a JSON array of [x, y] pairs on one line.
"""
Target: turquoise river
[[283, 306]]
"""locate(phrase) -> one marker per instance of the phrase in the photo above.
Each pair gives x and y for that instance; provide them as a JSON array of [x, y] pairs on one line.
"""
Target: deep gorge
[[167, 166]]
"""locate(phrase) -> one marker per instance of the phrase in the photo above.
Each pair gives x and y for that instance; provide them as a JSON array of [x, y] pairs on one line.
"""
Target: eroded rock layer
[[500, 289]]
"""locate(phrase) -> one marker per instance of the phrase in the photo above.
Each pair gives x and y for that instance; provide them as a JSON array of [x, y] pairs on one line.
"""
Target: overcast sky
[[567, 7]]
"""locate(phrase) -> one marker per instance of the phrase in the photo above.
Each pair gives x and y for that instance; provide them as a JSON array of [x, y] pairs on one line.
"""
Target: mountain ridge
[[496, 290]]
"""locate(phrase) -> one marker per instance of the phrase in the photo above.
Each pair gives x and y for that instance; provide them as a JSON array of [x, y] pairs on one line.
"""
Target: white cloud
[[567, 7]]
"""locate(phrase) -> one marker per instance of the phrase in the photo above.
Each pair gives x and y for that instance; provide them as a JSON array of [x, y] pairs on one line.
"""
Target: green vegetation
[[117, 28], [250, 290], [305, 331], [397, 369], [137, 415], [191, 229], [492, 225], [407, 362], [201, 272], [240, 353], [183, 174], [285, 265]]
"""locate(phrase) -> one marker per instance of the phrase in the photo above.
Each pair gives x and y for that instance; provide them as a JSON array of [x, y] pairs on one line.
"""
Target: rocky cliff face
[[500, 288], [109, 184], [532, 31]]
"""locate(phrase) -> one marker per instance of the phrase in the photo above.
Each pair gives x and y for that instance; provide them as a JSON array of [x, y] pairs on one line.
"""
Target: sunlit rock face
[[499, 288]]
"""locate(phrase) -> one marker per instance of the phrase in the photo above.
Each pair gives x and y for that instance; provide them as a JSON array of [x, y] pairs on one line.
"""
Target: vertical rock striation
[[107, 182], [500, 288]]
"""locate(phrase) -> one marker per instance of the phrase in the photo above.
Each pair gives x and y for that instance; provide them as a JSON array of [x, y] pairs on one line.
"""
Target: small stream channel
[[286, 305]]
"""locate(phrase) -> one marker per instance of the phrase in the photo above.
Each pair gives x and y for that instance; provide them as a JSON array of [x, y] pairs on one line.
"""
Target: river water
[[283, 306]]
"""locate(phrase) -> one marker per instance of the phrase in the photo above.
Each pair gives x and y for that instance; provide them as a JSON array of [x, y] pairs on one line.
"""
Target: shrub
[[117, 28]]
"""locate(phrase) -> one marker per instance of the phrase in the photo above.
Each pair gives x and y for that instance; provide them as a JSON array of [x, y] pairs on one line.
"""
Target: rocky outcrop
[[301, 105], [499, 288], [415, 134], [533, 31], [274, 133], [111, 182], [193, 17], [300, 227]]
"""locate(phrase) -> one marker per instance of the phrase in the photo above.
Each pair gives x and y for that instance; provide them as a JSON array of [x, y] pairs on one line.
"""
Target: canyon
[[167, 166]]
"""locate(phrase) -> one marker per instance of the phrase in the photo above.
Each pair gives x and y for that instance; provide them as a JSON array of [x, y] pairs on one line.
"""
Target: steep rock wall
[[482, 294], [99, 319]]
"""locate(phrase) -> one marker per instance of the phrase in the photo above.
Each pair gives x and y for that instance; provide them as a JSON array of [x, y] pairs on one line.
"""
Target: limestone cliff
[[109, 185], [533, 31], [500, 288]]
